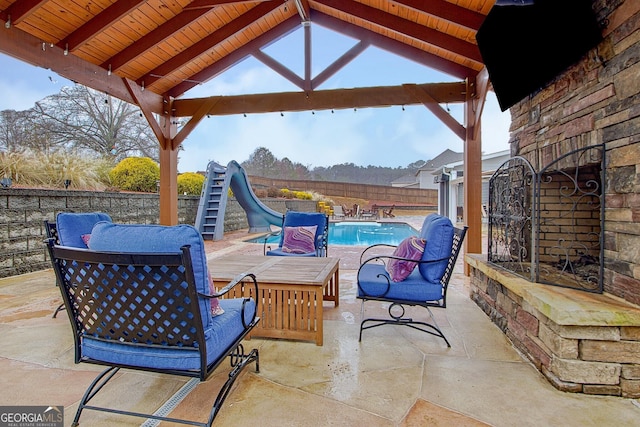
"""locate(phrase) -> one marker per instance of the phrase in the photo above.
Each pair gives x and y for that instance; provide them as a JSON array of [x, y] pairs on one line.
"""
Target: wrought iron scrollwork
[[548, 226]]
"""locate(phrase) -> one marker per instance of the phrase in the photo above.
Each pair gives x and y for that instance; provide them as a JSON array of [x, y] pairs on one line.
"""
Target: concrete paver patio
[[394, 377]]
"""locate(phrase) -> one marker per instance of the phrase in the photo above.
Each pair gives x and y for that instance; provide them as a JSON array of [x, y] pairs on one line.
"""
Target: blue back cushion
[[71, 226], [111, 237], [297, 219], [437, 230]]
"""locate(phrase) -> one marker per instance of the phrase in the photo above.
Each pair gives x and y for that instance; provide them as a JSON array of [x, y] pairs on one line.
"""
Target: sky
[[391, 137]]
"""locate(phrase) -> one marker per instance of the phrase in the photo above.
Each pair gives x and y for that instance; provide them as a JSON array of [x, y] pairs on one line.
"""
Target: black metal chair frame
[[52, 233], [397, 307], [91, 305]]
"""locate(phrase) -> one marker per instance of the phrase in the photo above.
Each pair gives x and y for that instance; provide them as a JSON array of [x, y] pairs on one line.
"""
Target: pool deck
[[394, 377]]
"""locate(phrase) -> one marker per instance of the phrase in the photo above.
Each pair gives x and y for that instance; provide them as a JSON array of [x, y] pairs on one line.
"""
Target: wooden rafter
[[98, 23], [208, 42], [20, 10], [447, 11], [236, 56], [400, 49], [406, 27]]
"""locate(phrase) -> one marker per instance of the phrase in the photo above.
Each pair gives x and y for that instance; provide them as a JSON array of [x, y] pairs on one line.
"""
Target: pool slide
[[259, 216], [213, 202]]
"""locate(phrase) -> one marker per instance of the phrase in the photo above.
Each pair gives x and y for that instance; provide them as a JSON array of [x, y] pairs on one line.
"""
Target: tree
[[86, 120], [262, 162]]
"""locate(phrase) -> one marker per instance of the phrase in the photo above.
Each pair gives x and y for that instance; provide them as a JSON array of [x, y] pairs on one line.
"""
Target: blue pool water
[[359, 233]]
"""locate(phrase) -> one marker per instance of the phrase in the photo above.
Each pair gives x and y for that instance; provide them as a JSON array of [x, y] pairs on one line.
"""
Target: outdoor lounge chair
[[73, 227], [140, 298], [303, 234], [338, 212], [388, 213], [426, 273]]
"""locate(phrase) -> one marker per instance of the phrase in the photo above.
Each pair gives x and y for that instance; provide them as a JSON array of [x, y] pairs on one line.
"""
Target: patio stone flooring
[[394, 377]]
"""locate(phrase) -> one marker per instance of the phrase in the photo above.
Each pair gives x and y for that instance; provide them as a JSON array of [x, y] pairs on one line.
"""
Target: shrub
[[136, 174], [190, 183]]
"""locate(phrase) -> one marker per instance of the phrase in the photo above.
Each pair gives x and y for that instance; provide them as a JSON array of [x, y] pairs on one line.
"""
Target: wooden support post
[[472, 176]]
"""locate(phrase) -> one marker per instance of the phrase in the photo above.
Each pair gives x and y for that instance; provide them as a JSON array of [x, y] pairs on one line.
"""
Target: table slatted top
[[275, 269]]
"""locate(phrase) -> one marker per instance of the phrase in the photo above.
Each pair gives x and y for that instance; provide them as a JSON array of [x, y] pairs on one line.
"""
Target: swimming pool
[[361, 233]]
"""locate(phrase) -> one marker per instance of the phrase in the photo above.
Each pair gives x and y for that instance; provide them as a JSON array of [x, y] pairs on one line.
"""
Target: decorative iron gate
[[548, 226]]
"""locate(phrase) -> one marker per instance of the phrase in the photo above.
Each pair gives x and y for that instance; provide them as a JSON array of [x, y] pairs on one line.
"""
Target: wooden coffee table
[[292, 291]]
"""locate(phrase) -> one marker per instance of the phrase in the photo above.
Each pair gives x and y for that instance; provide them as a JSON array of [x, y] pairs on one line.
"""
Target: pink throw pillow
[[85, 238], [216, 310], [299, 240], [410, 248]]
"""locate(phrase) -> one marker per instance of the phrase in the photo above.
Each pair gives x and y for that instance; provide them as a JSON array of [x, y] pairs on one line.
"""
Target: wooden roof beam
[[158, 35], [406, 27], [208, 42], [25, 47], [20, 10], [236, 56], [383, 96], [98, 23], [393, 46], [451, 12]]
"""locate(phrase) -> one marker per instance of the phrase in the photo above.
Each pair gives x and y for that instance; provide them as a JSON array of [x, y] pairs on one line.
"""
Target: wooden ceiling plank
[[385, 96], [339, 63], [20, 10], [451, 12], [423, 96], [99, 23], [406, 27], [207, 43], [234, 57], [209, 4], [279, 68], [393, 46], [153, 38]]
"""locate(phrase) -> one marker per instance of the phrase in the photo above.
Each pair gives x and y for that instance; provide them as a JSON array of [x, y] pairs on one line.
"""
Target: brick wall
[[597, 101]]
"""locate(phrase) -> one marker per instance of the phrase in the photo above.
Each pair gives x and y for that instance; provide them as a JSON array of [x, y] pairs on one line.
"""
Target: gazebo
[[150, 53]]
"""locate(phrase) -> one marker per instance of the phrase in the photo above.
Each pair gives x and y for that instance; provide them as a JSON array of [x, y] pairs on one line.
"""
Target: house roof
[[135, 49], [444, 158]]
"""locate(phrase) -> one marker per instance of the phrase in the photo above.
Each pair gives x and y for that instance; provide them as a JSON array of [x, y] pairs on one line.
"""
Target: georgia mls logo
[[31, 416]]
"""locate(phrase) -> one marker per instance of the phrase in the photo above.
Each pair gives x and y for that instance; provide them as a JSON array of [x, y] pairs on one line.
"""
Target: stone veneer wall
[[23, 211], [597, 101], [583, 342]]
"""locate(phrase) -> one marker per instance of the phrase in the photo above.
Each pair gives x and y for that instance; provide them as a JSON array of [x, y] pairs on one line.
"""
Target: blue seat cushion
[[373, 280], [224, 330], [280, 252], [146, 238], [438, 231], [72, 226]]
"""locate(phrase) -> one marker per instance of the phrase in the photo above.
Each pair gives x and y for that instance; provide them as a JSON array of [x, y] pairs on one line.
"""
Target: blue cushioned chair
[[73, 226], [427, 284], [140, 298], [297, 219]]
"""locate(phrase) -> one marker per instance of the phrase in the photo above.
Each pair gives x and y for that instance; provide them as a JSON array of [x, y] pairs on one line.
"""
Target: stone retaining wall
[[23, 212], [581, 342]]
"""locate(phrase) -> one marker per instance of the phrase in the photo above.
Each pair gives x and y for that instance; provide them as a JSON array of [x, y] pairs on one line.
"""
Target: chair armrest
[[264, 245], [377, 245], [239, 279]]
